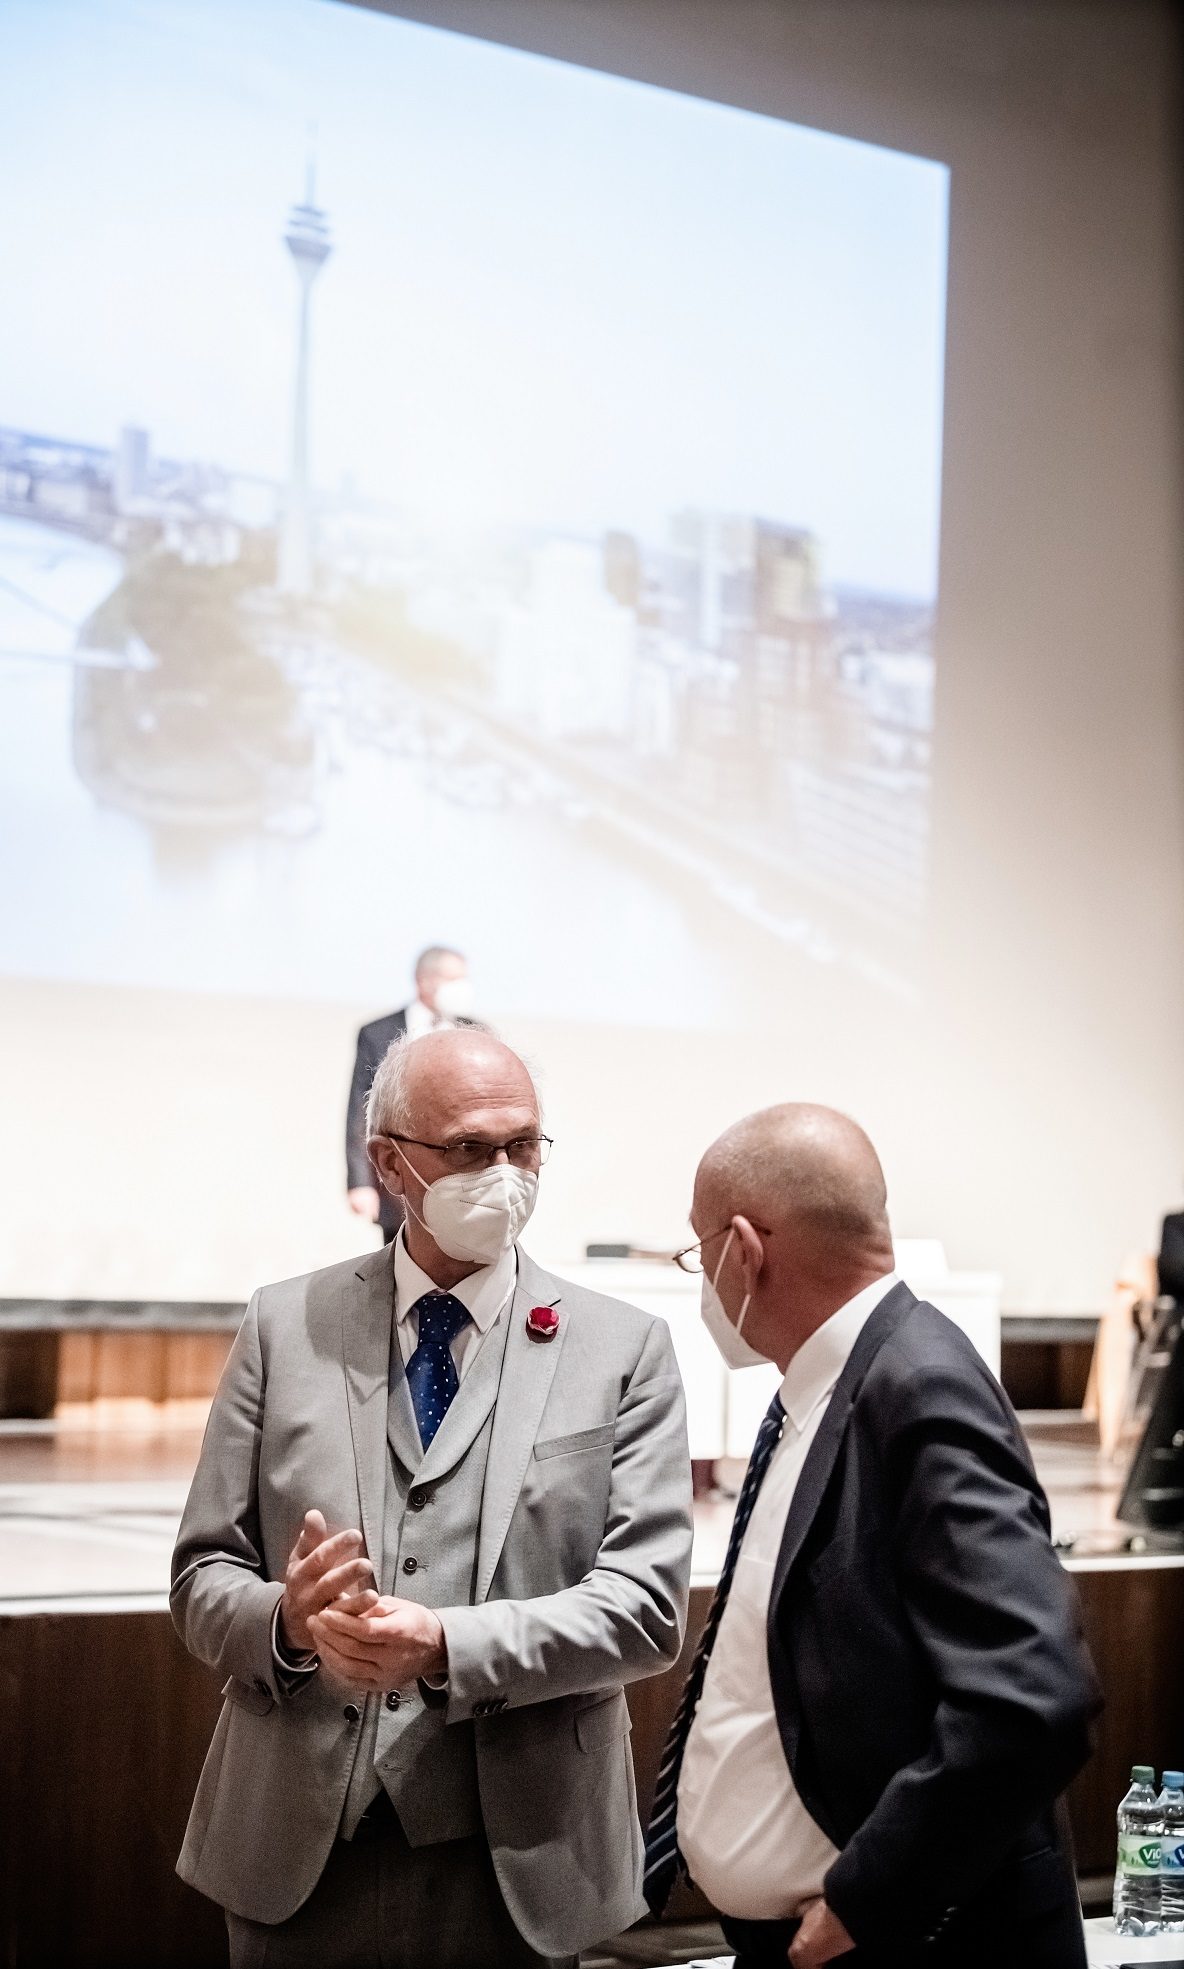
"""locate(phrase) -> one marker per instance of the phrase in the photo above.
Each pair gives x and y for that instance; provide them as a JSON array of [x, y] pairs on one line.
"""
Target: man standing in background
[[443, 997]]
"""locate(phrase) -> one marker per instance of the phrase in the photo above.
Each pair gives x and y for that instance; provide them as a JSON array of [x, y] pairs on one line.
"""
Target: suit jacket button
[[416, 1499], [393, 1699], [411, 1565], [352, 1713]]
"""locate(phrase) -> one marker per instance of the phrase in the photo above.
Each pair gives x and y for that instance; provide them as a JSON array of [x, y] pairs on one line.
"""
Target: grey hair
[[388, 1111]]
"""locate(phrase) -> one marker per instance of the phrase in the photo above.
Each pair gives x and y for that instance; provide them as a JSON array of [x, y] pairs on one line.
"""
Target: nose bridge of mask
[[489, 1188]]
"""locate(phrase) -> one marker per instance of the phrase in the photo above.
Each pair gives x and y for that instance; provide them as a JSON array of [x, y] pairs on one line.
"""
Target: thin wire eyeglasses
[[690, 1258], [524, 1151]]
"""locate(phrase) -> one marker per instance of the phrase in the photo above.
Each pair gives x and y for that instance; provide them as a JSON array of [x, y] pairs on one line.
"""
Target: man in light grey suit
[[437, 1778]]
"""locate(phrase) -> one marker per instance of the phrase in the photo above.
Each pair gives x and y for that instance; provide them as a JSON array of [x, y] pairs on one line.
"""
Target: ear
[[387, 1166], [750, 1252]]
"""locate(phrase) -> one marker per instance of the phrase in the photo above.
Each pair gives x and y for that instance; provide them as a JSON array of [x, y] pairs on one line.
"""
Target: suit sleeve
[[995, 1616], [359, 1173], [222, 1602], [626, 1618]]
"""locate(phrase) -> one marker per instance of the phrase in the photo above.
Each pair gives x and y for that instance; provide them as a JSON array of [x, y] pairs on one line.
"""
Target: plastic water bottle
[[1136, 1878], [1171, 1853]]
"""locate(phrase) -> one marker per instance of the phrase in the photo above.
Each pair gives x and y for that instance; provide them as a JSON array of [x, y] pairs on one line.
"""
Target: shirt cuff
[[436, 1682], [286, 1662]]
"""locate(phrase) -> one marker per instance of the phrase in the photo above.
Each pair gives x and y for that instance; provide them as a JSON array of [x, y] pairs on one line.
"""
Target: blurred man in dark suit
[[443, 997], [1171, 1257], [891, 1689]]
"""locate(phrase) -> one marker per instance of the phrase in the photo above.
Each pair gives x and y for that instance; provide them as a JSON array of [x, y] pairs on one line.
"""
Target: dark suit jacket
[[932, 1687], [373, 1041], [1171, 1256]]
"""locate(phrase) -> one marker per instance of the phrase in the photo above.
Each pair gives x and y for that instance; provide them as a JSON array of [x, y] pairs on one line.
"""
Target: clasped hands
[[370, 1641], [365, 1640]]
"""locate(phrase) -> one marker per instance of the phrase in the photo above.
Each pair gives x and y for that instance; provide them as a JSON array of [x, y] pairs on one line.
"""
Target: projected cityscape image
[[521, 494]]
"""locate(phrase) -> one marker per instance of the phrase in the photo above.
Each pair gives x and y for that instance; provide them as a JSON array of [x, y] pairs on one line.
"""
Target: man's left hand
[[384, 1646], [821, 1938]]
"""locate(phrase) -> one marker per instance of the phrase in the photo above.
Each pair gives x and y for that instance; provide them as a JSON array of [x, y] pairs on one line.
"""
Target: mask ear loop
[[743, 1313], [407, 1204], [723, 1254]]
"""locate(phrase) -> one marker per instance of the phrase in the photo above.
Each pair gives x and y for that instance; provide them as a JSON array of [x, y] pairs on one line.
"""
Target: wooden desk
[[105, 1719]]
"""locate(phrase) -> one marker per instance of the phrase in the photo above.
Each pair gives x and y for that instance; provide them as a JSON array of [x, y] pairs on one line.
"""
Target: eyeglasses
[[690, 1259], [525, 1151]]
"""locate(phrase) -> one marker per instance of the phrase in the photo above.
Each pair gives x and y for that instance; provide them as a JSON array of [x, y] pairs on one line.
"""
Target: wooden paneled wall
[[105, 1720]]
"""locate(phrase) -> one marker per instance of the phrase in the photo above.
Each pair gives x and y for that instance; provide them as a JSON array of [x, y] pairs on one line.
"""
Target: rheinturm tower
[[307, 240]]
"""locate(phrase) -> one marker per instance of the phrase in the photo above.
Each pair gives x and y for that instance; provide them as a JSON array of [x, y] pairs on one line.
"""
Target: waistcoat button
[[351, 1712], [411, 1565], [393, 1699], [416, 1500]]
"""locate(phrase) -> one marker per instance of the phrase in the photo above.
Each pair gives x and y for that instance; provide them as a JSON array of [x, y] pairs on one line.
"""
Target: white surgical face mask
[[455, 998], [736, 1350], [479, 1213]]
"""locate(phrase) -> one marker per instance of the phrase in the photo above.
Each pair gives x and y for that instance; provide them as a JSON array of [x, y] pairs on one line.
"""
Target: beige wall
[[1032, 1113]]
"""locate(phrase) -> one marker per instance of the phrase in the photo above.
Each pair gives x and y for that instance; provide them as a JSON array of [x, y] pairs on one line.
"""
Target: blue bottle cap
[[1173, 1780]]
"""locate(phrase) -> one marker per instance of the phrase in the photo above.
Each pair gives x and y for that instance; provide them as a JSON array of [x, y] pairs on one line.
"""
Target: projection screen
[[445, 494]]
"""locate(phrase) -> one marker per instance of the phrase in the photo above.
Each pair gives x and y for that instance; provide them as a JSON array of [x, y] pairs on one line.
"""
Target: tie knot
[[440, 1318]]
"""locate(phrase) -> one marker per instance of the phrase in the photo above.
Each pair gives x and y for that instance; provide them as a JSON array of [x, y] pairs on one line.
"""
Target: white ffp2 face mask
[[736, 1350], [479, 1213], [455, 998]]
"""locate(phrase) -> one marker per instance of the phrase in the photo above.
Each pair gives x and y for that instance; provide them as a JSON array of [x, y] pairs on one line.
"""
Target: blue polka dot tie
[[663, 1861], [431, 1371]]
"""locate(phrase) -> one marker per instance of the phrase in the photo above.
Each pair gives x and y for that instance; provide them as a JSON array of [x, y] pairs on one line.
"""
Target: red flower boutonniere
[[542, 1322]]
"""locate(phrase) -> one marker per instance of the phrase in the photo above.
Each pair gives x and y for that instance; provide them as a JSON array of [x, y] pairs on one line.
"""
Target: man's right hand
[[320, 1570], [364, 1203]]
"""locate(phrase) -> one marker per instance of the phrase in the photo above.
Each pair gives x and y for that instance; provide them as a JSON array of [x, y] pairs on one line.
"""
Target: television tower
[[307, 240]]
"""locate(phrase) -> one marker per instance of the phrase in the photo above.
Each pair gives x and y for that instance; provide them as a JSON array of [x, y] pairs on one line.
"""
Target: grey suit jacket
[[580, 1583]]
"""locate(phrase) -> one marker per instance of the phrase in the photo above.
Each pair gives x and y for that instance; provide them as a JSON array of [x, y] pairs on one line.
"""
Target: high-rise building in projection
[[307, 240]]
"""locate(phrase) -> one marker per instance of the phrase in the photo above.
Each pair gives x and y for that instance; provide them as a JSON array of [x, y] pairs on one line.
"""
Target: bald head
[[441, 1086], [792, 1213], [799, 1166]]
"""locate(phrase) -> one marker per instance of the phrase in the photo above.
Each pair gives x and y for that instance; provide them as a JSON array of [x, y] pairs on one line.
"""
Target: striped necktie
[[663, 1861]]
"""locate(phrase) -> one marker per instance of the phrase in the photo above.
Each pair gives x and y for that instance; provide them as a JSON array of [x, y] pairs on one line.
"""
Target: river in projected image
[[307, 829], [424, 551]]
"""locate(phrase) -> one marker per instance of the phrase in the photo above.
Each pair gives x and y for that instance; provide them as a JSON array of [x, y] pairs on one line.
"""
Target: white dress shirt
[[420, 1018], [747, 1839], [485, 1294]]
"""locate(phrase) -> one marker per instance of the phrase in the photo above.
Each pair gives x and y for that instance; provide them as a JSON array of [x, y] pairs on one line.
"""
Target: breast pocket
[[583, 1439]]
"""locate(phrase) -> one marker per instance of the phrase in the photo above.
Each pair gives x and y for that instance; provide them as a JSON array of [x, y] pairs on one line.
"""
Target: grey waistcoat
[[431, 1520]]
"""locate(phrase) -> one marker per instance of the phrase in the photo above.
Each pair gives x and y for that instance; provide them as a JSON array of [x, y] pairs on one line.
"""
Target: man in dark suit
[[443, 996], [891, 1691]]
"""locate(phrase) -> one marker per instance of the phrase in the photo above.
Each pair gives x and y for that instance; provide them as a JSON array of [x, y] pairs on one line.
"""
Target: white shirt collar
[[819, 1361], [419, 1018], [483, 1293]]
